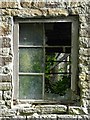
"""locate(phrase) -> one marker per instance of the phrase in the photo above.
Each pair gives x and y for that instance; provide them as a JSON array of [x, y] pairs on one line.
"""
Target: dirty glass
[[31, 60], [31, 34], [52, 60], [28, 87]]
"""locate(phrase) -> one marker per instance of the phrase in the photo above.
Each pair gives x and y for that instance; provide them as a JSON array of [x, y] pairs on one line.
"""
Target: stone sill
[[29, 109], [49, 117]]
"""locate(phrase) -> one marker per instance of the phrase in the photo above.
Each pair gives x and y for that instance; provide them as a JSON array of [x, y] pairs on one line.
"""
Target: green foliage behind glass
[[59, 86]]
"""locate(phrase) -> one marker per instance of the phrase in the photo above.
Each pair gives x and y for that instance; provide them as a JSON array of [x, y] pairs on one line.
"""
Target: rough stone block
[[6, 70], [6, 42], [8, 103], [56, 12], [89, 86], [84, 42], [88, 50], [12, 4], [0, 95], [27, 111], [52, 108], [75, 110], [0, 51], [5, 29], [84, 25], [7, 113], [5, 78], [88, 18], [5, 51], [5, 86], [20, 118], [7, 60], [88, 77], [41, 4], [89, 110], [7, 95], [89, 42], [2, 102], [25, 4], [82, 76], [73, 117], [88, 31], [46, 117], [1, 70], [5, 12], [88, 9], [1, 62], [82, 18], [84, 51], [84, 62], [82, 10], [83, 84], [85, 93], [6, 19], [1, 41], [84, 33]]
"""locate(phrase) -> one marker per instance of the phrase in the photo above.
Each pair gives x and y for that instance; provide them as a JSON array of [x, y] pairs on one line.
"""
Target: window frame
[[74, 49]]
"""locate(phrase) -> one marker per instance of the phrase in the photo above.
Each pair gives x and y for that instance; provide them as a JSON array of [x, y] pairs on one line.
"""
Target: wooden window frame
[[74, 49]]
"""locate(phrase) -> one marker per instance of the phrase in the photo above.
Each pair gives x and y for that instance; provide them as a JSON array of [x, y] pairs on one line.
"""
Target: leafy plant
[[60, 85]]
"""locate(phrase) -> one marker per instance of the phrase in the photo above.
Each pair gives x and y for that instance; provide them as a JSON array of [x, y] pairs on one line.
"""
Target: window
[[45, 58]]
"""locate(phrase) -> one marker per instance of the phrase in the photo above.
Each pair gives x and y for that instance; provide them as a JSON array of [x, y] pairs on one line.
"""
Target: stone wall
[[26, 9]]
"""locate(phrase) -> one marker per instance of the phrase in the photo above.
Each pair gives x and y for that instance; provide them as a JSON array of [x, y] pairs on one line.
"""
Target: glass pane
[[30, 87], [31, 34], [31, 60]]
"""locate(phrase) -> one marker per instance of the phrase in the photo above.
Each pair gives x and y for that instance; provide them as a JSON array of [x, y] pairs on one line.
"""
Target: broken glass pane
[[31, 60], [58, 74], [31, 34], [30, 87], [55, 89]]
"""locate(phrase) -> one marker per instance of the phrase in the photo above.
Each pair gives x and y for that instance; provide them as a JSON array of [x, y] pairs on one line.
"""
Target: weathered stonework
[[8, 5], [27, 9]]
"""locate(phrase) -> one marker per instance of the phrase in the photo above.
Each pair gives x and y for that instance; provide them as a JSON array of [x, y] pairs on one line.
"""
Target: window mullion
[[30, 46], [24, 73], [43, 87]]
